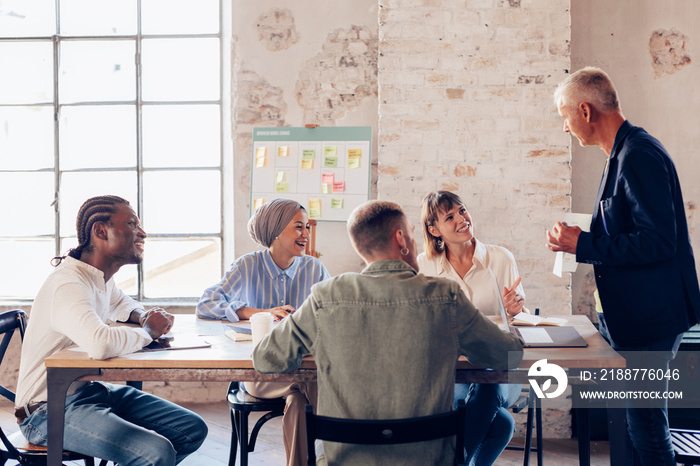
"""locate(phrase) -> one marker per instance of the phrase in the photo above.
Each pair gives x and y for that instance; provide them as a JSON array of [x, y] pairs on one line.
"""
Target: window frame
[[225, 170]]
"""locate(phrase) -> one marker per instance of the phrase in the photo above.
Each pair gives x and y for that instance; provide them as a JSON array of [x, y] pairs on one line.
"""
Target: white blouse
[[494, 268]]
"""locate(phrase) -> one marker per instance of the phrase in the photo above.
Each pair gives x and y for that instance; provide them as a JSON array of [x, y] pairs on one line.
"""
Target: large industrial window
[[119, 97]]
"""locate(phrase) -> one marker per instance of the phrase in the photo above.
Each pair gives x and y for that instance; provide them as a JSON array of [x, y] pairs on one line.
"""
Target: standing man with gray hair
[[639, 246]]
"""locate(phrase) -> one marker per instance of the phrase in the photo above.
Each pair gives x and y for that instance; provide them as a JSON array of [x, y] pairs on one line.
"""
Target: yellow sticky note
[[281, 177], [336, 203], [354, 152], [308, 154], [354, 163], [330, 162], [281, 187], [314, 208], [330, 150], [260, 161], [307, 164], [257, 203], [283, 151], [260, 151], [326, 187]]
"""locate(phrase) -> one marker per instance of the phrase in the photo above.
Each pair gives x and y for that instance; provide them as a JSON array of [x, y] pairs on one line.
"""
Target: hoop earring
[[404, 251]]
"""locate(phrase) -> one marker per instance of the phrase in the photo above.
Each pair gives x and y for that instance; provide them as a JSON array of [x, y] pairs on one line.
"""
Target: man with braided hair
[[112, 422]]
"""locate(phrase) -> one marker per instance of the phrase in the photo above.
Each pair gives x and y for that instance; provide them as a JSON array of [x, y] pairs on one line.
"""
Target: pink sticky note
[[338, 186]]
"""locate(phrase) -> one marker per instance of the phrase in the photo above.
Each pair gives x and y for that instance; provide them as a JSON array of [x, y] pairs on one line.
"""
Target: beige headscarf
[[270, 219]]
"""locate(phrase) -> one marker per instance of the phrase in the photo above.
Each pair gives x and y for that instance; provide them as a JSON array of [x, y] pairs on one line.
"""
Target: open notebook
[[543, 337]]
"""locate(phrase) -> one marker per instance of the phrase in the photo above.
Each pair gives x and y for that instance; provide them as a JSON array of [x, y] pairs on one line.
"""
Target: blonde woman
[[484, 272]]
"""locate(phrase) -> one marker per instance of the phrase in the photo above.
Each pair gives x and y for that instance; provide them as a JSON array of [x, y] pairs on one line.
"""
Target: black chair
[[19, 449], [386, 432], [686, 444], [241, 404], [529, 400]]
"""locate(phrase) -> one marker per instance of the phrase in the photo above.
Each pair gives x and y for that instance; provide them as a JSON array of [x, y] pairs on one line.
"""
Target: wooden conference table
[[227, 360]]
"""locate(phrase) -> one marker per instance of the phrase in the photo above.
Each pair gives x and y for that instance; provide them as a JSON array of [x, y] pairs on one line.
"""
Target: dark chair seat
[[241, 404]]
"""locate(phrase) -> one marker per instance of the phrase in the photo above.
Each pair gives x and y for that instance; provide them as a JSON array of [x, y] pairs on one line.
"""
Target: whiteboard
[[325, 169]]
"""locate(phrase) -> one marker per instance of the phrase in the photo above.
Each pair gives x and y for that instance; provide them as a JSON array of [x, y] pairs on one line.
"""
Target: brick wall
[[465, 104]]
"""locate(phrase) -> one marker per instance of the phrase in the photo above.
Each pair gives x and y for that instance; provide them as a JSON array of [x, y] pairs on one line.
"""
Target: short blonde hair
[[372, 224], [591, 85], [434, 204]]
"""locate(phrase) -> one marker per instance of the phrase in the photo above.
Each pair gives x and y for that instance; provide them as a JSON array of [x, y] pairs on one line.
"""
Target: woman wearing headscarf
[[276, 279], [488, 276]]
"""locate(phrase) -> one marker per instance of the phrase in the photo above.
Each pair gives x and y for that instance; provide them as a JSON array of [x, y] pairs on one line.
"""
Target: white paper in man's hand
[[563, 261]]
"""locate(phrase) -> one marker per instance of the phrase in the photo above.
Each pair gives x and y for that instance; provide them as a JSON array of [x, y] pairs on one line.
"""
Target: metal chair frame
[[239, 411]]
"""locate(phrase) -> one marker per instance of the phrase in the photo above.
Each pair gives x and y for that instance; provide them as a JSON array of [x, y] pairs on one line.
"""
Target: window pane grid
[[211, 240]]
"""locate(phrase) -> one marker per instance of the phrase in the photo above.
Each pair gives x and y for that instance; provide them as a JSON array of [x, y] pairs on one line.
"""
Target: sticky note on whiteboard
[[314, 208]]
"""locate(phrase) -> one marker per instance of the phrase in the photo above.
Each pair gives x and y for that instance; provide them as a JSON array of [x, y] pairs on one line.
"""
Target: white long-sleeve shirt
[[494, 267], [74, 306]]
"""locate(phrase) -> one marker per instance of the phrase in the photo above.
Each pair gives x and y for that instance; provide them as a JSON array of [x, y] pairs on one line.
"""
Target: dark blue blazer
[[639, 244]]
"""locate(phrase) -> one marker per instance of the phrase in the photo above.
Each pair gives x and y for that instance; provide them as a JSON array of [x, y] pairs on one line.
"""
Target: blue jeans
[[124, 425], [649, 440], [489, 425]]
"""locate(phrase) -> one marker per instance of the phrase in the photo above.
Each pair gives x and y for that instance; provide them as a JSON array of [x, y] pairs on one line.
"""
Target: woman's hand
[[513, 302], [281, 312]]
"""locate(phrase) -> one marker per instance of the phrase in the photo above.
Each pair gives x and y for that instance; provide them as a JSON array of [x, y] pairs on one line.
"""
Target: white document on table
[[563, 261]]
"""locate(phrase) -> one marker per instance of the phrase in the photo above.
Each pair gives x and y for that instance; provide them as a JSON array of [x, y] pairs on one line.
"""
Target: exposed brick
[[464, 170], [339, 78], [667, 48], [455, 93], [276, 29]]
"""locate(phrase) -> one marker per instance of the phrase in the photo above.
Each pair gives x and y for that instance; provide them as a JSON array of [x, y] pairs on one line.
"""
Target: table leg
[[617, 434], [584, 437], [58, 380]]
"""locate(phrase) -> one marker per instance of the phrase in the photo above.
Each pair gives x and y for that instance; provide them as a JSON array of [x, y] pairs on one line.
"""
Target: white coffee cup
[[260, 325]]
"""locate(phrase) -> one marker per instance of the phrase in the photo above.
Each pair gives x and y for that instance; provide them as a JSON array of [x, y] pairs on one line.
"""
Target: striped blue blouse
[[254, 280]]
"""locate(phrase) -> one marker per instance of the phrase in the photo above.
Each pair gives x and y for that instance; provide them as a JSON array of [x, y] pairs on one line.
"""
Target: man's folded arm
[[283, 349]]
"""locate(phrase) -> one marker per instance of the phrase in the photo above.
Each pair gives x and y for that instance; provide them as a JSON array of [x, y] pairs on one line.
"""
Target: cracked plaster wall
[[311, 62]]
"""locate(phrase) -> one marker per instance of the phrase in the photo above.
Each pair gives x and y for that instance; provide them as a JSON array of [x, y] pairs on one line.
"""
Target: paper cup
[[260, 325]]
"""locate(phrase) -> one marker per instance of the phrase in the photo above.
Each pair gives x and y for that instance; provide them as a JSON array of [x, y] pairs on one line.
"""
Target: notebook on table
[[544, 336]]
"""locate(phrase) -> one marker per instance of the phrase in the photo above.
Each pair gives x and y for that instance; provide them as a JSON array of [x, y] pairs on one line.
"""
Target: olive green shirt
[[385, 342]]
